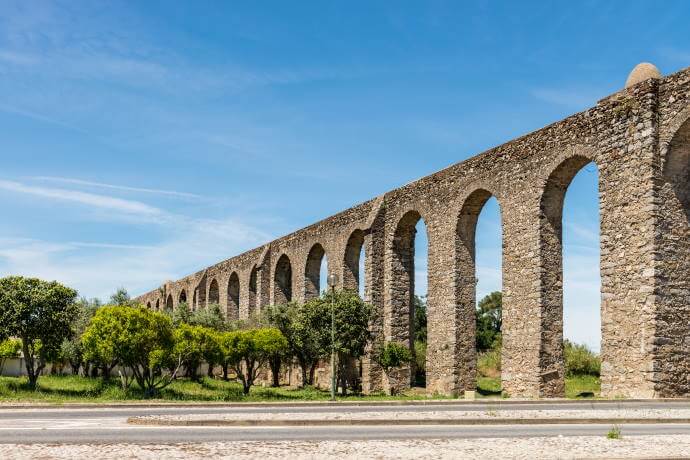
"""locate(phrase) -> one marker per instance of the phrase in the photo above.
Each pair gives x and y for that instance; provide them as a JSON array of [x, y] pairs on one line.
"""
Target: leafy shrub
[[393, 355], [580, 360]]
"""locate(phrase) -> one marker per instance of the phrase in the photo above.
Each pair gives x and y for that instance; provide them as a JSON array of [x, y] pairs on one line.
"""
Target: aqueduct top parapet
[[632, 136]]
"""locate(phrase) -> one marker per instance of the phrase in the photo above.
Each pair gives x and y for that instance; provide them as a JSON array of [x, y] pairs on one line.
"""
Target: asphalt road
[[108, 425]]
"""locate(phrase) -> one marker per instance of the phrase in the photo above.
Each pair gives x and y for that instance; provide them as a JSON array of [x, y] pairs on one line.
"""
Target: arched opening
[[195, 302], [213, 292], [282, 281], [148, 305], [479, 284], [253, 295], [673, 272], [409, 287], [571, 283], [312, 272], [169, 303], [183, 297], [158, 304], [233, 311], [353, 273]]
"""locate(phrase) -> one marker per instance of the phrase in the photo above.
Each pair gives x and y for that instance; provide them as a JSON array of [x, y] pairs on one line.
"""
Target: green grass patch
[[70, 389], [582, 386]]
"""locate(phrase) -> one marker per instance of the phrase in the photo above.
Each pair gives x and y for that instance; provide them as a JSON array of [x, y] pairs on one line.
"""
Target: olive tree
[[194, 344], [246, 351], [351, 317], [141, 340], [302, 339], [40, 314]]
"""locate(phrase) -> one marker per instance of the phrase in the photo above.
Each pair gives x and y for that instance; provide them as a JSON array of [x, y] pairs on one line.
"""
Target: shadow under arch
[[351, 261], [312, 272], [233, 305], [213, 292], [282, 281]]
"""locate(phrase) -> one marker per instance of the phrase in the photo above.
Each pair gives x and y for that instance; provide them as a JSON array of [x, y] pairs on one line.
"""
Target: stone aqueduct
[[639, 138]]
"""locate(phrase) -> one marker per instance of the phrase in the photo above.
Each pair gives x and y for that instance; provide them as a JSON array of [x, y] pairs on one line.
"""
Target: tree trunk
[[275, 370], [225, 372], [312, 370], [209, 373]]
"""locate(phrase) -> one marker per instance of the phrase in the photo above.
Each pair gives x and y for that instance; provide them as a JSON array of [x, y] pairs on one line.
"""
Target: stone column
[[374, 244]]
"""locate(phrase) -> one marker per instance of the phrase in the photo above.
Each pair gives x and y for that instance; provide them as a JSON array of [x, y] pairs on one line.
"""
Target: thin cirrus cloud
[[89, 199], [86, 183]]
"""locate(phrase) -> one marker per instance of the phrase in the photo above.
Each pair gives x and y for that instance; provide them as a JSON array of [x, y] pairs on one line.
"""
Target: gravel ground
[[525, 448], [446, 415]]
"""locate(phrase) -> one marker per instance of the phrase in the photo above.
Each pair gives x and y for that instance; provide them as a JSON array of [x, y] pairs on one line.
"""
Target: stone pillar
[[374, 249], [451, 352]]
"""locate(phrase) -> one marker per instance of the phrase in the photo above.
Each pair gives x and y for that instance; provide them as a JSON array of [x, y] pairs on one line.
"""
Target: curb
[[413, 402], [406, 422]]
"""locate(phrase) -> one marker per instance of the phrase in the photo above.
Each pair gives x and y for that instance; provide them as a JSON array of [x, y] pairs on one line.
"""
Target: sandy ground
[[526, 448], [445, 415]]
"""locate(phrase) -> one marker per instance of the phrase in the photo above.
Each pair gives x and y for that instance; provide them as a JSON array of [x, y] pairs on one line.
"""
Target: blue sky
[[142, 141]]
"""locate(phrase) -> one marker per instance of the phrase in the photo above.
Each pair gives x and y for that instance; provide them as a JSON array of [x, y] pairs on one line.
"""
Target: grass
[[576, 387], [614, 433], [70, 389]]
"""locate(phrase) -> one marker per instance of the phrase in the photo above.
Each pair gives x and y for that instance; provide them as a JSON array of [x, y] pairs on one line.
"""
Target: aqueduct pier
[[639, 138]]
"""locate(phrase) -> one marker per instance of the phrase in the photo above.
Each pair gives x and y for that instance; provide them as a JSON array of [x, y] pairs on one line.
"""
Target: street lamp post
[[332, 282]]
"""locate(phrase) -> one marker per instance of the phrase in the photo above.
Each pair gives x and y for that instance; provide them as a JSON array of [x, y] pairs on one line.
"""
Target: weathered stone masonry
[[639, 138]]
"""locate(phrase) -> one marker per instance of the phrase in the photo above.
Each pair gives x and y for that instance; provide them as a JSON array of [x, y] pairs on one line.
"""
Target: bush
[[393, 355], [580, 360]]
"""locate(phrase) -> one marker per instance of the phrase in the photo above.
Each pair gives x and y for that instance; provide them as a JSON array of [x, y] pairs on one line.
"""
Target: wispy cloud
[[89, 199], [67, 180]]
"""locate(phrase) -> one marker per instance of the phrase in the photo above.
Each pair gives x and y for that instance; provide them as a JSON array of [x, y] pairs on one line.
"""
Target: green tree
[[195, 344], [9, 348], [302, 338], [141, 340], [351, 318], [246, 351], [71, 347], [489, 321], [420, 319], [39, 313], [580, 360], [121, 297], [182, 314], [211, 317]]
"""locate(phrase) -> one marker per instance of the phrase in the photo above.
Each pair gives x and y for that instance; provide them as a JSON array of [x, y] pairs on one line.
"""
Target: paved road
[[108, 425]]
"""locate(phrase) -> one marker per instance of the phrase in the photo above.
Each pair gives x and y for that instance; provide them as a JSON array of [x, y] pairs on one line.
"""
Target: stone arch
[[253, 299], [466, 277], [169, 303], [182, 297], [312, 272], [353, 250], [402, 287], [282, 280], [233, 308], [676, 168], [213, 292], [551, 360]]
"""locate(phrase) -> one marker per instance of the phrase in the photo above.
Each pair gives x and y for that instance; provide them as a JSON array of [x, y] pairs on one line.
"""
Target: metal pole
[[332, 343]]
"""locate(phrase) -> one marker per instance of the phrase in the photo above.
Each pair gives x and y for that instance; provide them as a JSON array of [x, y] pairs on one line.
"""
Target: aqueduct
[[639, 138]]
